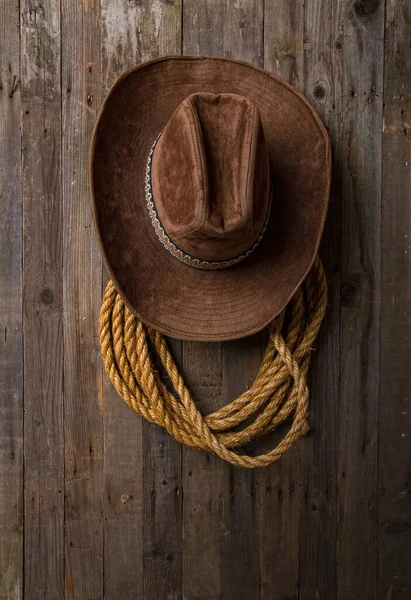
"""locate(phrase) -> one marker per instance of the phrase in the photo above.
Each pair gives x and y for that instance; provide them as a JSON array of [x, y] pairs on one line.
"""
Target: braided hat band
[[172, 248], [279, 391]]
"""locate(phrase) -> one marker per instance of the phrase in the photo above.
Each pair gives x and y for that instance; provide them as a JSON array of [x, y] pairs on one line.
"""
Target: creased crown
[[210, 176]]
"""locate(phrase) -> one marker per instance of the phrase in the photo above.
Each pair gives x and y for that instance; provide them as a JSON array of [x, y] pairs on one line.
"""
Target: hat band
[[171, 247]]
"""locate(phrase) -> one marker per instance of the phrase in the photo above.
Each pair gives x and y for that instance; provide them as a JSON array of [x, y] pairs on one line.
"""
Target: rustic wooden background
[[94, 502]]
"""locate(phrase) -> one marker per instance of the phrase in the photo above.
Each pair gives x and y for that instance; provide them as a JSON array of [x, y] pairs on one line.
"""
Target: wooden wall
[[95, 503]]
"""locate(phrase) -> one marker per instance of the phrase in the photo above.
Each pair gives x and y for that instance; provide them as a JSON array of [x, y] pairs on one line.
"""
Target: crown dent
[[210, 176]]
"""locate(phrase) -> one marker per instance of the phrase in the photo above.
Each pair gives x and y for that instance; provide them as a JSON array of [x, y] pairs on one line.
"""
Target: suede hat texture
[[209, 181]]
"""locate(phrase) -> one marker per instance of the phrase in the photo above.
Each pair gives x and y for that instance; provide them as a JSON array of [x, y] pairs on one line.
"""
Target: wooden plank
[[360, 300], [205, 480], [243, 39], [162, 493], [394, 508], [83, 419], [323, 81], [224, 29], [145, 489], [280, 483], [283, 39], [241, 506], [203, 28], [290, 530], [121, 24], [161, 28], [43, 292], [11, 356], [162, 533], [243, 31], [205, 477], [220, 518]]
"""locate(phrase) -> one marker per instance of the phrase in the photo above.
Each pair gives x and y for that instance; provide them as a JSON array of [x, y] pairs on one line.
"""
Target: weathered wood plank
[[283, 39], [241, 519], [203, 28], [121, 24], [11, 356], [279, 526], [162, 481], [291, 530], [394, 507], [43, 291], [243, 39], [161, 28], [205, 477], [360, 300], [220, 517], [243, 31], [205, 480], [162, 532], [131, 33], [318, 519], [83, 419], [280, 484]]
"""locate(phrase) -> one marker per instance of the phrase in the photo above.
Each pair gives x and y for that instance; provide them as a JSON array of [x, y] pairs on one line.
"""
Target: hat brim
[[176, 299]]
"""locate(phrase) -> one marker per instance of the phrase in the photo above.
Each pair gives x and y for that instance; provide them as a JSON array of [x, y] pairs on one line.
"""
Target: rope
[[279, 391]]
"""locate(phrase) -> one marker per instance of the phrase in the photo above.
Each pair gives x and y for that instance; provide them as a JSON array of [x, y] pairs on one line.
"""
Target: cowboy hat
[[209, 182]]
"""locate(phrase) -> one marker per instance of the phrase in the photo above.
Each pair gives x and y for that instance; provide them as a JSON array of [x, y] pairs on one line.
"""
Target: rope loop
[[279, 391]]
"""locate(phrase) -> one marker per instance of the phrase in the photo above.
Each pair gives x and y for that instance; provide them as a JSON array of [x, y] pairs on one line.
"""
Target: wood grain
[[394, 506], [280, 485], [283, 39], [240, 576], [205, 481], [220, 519], [11, 355], [94, 502], [360, 300], [121, 25], [40, 28], [83, 410], [162, 470], [205, 478], [323, 86]]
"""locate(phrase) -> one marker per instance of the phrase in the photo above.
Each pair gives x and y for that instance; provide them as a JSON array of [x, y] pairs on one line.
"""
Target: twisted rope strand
[[279, 391]]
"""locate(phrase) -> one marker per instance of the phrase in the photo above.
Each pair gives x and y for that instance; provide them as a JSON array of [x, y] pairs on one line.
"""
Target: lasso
[[279, 391]]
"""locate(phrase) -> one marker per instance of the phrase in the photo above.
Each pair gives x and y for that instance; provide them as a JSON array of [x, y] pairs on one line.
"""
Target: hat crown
[[210, 176]]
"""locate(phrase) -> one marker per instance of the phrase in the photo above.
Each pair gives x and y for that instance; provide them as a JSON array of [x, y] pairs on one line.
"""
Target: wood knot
[[350, 290], [46, 296], [319, 91]]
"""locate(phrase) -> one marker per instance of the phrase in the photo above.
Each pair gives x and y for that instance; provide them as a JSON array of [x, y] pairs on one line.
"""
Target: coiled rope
[[279, 391]]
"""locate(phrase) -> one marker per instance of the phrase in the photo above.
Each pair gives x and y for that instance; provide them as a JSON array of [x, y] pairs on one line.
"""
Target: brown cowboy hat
[[210, 182]]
